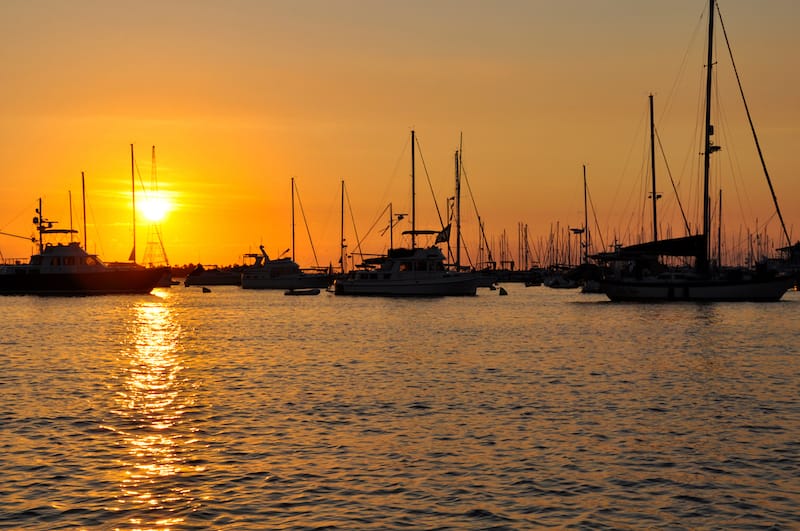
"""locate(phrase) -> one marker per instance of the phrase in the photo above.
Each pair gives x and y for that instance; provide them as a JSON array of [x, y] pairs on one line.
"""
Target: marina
[[571, 310]]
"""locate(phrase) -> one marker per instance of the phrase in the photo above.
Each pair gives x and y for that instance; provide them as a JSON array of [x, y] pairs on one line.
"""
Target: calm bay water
[[251, 410]]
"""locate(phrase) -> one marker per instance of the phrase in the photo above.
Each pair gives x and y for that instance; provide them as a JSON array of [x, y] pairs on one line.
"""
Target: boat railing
[[14, 261]]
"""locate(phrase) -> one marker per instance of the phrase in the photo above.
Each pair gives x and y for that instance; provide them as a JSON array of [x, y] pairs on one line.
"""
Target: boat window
[[90, 261]]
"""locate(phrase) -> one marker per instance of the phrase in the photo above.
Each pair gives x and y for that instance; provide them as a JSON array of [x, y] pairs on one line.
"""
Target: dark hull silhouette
[[24, 280], [702, 290]]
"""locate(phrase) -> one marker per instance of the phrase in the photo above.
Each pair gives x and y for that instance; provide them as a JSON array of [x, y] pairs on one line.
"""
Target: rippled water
[[241, 409]]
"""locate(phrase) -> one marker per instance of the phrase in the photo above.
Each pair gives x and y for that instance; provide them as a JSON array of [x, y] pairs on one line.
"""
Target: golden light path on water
[[151, 403]]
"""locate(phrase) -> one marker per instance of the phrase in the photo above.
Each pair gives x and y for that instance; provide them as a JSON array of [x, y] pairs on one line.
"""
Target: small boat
[[310, 291], [67, 269]]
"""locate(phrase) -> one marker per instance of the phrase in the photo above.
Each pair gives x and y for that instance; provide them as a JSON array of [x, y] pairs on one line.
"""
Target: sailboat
[[409, 271], [638, 275], [283, 272]]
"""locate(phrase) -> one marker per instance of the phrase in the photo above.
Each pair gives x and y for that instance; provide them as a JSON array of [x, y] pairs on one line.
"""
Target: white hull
[[708, 290]]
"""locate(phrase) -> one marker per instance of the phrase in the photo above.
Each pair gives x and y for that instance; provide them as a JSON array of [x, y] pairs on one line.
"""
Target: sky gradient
[[240, 96]]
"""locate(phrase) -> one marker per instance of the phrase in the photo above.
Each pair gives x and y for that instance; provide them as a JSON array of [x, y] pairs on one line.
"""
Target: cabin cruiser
[[67, 269], [282, 273]]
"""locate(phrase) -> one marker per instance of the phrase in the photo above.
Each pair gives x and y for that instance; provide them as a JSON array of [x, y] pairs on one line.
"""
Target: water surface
[[241, 409]]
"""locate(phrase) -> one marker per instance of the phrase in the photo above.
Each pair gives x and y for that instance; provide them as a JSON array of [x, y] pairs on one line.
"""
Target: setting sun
[[155, 208]]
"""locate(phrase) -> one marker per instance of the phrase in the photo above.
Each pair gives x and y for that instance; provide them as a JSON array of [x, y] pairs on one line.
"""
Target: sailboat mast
[[458, 207], [413, 197], [292, 219], [341, 232], [719, 232], [708, 148], [83, 200], [653, 169], [133, 203], [71, 232], [585, 220]]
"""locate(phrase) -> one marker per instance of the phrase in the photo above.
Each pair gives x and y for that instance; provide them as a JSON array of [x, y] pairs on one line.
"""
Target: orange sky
[[239, 96]]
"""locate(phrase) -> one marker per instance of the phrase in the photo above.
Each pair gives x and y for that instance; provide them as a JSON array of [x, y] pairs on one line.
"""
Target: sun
[[155, 208]]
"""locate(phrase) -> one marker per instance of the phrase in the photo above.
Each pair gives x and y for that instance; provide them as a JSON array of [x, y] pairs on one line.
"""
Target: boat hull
[[702, 290], [106, 282], [302, 292], [442, 286]]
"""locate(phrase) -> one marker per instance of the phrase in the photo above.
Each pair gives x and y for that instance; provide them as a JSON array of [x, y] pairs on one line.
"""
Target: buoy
[[503, 291]]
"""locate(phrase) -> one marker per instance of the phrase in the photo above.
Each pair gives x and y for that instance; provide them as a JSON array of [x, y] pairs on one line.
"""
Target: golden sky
[[239, 96]]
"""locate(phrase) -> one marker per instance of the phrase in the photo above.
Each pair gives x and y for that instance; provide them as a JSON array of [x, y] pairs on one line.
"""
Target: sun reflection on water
[[152, 402]]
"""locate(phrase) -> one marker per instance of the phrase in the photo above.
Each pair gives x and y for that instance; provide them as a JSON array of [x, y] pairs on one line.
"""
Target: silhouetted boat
[[282, 273], [409, 272], [67, 269], [213, 276], [417, 272], [640, 276]]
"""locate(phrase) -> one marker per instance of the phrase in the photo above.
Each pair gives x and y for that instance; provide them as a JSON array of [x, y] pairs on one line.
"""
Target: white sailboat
[[638, 275]]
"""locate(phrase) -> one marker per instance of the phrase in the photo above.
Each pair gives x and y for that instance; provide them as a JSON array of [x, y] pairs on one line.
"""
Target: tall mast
[[708, 147], [719, 232], [71, 232], [292, 219], [132, 258], [83, 200], [341, 232], [585, 220], [458, 207], [413, 197], [653, 169]]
